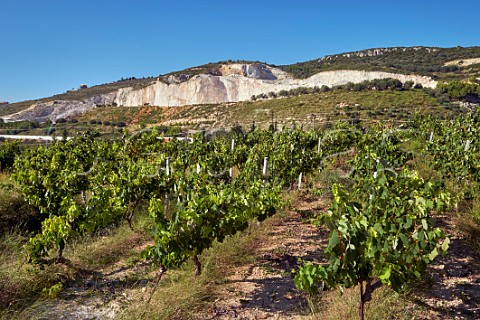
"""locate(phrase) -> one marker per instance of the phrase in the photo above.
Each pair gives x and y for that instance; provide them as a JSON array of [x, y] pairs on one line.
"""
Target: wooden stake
[[264, 171]]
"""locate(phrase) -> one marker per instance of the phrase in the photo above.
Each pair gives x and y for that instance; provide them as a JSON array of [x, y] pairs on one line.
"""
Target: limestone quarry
[[232, 83]]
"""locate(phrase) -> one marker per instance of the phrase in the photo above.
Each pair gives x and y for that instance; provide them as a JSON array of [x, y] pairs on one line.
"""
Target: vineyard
[[388, 188]]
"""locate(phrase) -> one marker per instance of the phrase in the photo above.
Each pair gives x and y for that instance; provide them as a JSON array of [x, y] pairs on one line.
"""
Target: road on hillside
[[25, 137]]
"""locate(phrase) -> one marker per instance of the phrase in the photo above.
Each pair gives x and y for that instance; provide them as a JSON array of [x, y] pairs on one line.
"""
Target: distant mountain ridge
[[238, 81]]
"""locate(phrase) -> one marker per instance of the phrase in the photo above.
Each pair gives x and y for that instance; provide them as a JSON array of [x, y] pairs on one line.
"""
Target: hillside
[[237, 81], [289, 111]]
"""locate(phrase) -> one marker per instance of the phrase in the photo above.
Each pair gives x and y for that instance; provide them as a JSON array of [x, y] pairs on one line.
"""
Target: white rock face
[[334, 78], [240, 82], [236, 82]]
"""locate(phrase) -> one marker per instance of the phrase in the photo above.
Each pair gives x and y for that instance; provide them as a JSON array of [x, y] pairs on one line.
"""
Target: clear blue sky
[[50, 46]]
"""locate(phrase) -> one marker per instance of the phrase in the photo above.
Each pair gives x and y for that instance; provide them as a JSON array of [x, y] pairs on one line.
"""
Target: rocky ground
[[453, 292]]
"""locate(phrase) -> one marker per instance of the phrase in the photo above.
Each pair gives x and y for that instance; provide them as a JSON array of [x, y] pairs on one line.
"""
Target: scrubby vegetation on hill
[[460, 90], [418, 60]]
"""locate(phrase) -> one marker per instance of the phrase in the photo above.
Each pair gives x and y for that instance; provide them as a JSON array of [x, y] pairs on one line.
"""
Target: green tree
[[408, 85]]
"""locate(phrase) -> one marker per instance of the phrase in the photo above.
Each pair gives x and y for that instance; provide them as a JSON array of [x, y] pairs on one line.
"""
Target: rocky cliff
[[230, 83], [240, 82]]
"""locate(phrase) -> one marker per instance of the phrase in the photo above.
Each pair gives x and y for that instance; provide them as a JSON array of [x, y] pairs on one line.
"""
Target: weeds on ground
[[385, 304], [181, 294], [22, 284]]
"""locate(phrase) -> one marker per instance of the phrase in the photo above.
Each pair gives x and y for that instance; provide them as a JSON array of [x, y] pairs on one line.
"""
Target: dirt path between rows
[[265, 289]]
